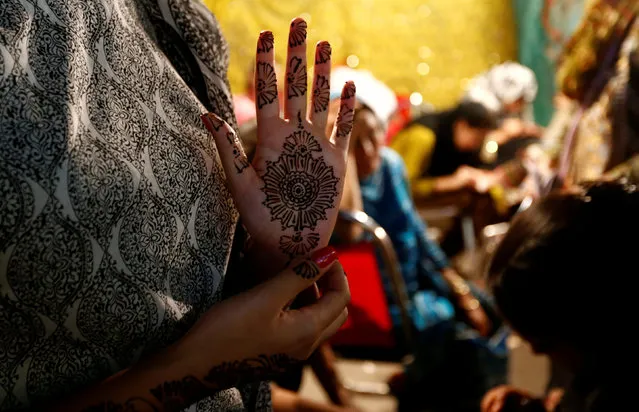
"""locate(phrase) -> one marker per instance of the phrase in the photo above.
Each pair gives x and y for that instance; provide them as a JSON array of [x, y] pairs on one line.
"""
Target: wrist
[[458, 285], [468, 302], [448, 183]]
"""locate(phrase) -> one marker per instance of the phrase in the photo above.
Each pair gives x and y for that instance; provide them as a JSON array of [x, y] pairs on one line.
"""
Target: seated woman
[[509, 90], [444, 307], [439, 149], [555, 278]]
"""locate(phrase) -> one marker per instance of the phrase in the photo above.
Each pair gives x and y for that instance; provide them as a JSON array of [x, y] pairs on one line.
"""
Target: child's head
[[560, 274]]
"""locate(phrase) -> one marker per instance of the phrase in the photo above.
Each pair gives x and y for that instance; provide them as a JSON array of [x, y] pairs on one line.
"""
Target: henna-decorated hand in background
[[288, 198]]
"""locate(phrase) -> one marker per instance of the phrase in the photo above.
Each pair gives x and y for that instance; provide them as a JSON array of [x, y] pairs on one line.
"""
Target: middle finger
[[296, 80]]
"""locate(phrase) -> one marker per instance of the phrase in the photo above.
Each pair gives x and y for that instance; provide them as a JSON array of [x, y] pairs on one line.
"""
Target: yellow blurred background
[[427, 47]]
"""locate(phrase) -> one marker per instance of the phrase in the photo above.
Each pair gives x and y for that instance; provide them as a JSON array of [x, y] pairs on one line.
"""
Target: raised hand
[[288, 197]]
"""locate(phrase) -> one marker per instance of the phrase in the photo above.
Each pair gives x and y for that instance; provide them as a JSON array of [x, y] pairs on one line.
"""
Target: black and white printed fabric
[[115, 223]]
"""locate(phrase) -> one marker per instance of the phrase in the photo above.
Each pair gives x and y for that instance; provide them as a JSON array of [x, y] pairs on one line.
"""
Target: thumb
[[301, 274]]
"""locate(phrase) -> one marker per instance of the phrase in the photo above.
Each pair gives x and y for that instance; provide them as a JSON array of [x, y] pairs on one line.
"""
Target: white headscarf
[[503, 84], [370, 91]]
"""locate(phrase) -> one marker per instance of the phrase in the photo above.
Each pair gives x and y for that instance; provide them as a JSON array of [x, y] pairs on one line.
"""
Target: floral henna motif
[[215, 121], [266, 88], [238, 373], [323, 53], [179, 394], [321, 94], [239, 159], [306, 270], [344, 121], [299, 190], [301, 143], [297, 35], [296, 78], [298, 244], [265, 42], [172, 395], [349, 91]]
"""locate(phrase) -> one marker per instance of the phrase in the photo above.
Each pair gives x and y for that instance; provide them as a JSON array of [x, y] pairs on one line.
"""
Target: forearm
[[352, 195], [286, 401], [351, 201], [160, 383], [172, 380], [457, 284], [323, 363], [444, 184]]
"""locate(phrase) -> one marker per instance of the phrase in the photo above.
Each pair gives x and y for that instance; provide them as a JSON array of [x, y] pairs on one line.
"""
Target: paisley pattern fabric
[[115, 223]]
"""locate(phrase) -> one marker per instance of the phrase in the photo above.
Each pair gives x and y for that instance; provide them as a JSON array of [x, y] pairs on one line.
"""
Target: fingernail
[[266, 41], [349, 90], [205, 120], [211, 121], [297, 35], [322, 52], [324, 257]]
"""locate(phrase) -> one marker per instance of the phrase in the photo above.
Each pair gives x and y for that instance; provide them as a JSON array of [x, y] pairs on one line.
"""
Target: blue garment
[[450, 354], [386, 198]]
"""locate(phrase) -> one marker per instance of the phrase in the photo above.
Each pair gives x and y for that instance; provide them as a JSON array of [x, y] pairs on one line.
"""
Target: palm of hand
[[288, 198], [302, 179]]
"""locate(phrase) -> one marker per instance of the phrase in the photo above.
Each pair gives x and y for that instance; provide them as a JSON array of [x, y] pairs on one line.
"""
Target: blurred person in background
[[454, 363], [558, 279], [441, 149], [508, 89], [594, 70]]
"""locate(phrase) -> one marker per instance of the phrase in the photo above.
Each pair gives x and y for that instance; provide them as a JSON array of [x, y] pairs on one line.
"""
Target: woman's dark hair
[[476, 115], [561, 271]]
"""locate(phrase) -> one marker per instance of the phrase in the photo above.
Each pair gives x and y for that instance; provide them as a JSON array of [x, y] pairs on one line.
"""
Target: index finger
[[266, 98]]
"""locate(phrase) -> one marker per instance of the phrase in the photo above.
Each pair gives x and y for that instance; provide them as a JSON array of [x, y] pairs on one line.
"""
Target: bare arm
[[166, 381], [461, 179], [247, 338], [323, 364], [351, 201], [287, 401], [447, 184]]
